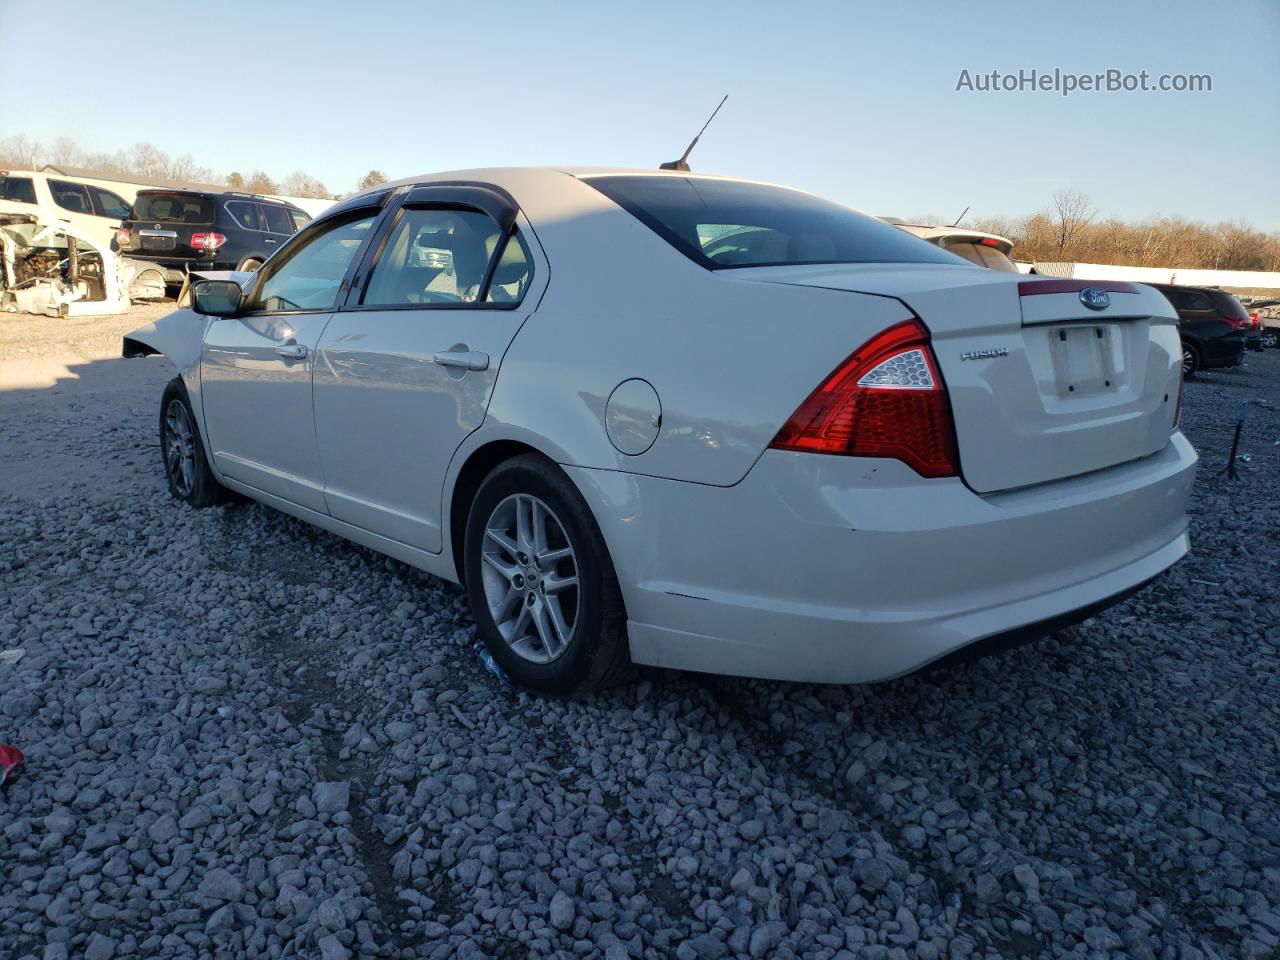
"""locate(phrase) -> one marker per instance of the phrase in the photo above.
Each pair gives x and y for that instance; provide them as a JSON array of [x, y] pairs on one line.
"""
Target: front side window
[[720, 224], [277, 219], [71, 196], [309, 276], [433, 256], [18, 189], [112, 205], [246, 214]]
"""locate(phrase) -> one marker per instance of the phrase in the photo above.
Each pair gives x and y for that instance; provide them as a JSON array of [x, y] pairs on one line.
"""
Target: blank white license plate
[[1084, 360]]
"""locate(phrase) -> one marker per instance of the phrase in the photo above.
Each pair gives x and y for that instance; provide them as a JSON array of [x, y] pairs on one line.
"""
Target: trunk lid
[[1042, 385]]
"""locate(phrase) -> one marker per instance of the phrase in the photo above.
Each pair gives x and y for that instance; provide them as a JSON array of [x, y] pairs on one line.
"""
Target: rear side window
[[71, 196], [111, 204], [277, 218], [433, 257], [299, 218], [173, 208], [721, 224], [246, 214], [18, 189]]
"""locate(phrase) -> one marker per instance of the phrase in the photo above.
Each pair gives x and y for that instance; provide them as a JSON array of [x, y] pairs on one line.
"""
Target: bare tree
[[300, 184], [259, 182], [1073, 212], [65, 153], [149, 160], [235, 180], [20, 152], [371, 179]]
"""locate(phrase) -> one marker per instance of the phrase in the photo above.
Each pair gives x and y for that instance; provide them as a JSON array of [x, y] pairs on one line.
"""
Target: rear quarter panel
[[730, 358]]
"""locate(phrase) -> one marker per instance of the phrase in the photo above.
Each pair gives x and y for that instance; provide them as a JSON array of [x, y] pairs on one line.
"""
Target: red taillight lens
[[1255, 320], [989, 242], [207, 241], [123, 238], [1177, 410], [886, 400]]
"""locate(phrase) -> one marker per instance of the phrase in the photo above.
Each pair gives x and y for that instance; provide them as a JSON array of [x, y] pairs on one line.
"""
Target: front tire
[[250, 264], [1270, 339], [182, 450], [1191, 362], [543, 590]]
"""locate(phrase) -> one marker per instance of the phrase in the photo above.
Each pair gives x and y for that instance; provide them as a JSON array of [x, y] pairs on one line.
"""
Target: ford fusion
[[691, 421]]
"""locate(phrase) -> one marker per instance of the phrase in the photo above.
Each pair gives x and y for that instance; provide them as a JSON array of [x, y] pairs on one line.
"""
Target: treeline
[[146, 160], [1071, 230]]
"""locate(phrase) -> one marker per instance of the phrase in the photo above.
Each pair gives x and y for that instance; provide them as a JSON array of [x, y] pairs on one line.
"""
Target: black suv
[[1213, 326], [184, 230]]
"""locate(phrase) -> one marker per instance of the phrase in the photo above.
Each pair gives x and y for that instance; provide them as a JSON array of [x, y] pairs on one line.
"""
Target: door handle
[[292, 351], [269, 240], [467, 360]]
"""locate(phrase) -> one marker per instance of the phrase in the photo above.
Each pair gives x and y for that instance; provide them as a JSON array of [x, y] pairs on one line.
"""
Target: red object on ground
[[10, 760]]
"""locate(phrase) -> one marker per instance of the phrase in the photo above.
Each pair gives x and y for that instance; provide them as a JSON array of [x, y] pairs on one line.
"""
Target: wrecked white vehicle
[[60, 270]]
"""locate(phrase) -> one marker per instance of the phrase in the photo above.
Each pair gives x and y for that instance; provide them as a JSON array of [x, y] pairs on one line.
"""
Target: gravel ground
[[246, 737]]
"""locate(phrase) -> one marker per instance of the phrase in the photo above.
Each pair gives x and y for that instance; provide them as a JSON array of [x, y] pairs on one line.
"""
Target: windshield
[[721, 224], [173, 208]]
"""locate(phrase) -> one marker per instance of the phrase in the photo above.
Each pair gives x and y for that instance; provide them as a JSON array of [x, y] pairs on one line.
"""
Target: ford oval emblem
[[1095, 299]]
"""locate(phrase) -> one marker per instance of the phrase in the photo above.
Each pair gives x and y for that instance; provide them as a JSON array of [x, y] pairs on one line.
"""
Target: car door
[[407, 368], [256, 367], [279, 225]]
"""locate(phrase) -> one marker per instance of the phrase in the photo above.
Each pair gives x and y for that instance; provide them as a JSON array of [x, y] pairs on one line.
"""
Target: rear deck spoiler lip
[[1027, 288]]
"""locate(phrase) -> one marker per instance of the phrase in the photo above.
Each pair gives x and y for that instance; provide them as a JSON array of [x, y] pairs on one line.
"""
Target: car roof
[[503, 176]]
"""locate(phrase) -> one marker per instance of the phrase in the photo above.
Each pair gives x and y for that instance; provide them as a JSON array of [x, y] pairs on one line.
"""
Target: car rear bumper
[[1223, 351], [841, 570]]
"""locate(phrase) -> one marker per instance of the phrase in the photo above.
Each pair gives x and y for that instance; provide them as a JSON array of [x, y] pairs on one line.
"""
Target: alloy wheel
[[1188, 361], [530, 578], [179, 448]]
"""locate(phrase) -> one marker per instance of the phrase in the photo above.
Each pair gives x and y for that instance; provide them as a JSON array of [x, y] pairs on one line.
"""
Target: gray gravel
[[248, 738]]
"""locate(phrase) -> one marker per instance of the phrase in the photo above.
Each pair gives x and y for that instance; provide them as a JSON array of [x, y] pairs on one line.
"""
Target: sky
[[856, 101]]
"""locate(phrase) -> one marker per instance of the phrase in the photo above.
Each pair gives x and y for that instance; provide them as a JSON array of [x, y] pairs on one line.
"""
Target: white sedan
[[690, 421]]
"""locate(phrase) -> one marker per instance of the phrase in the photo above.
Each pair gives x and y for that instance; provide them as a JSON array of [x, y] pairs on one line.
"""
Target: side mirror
[[219, 298]]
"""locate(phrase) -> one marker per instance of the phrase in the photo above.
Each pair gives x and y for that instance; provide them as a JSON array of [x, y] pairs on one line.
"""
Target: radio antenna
[[683, 163]]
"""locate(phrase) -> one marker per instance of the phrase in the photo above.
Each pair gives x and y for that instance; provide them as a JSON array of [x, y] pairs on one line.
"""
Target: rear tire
[[529, 534], [249, 264], [1270, 339], [1191, 362], [182, 451]]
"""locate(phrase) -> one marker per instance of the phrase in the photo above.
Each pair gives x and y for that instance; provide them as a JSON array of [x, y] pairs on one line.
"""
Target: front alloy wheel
[[1270, 339], [178, 440], [530, 578], [185, 467]]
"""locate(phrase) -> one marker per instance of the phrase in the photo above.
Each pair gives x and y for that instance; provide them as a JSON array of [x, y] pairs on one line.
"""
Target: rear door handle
[[269, 240], [467, 360], [292, 351]]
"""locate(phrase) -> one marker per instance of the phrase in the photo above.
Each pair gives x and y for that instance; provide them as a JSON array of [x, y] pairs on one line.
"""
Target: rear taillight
[[1238, 322], [123, 238], [1177, 410], [1255, 320], [207, 241], [886, 400]]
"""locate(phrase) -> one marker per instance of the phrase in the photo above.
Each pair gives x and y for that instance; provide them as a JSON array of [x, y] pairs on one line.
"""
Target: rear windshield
[[721, 224], [1230, 306], [173, 208], [982, 255]]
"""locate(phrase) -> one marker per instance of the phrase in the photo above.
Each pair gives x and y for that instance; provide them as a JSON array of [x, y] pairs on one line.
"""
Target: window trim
[[451, 195], [299, 240]]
